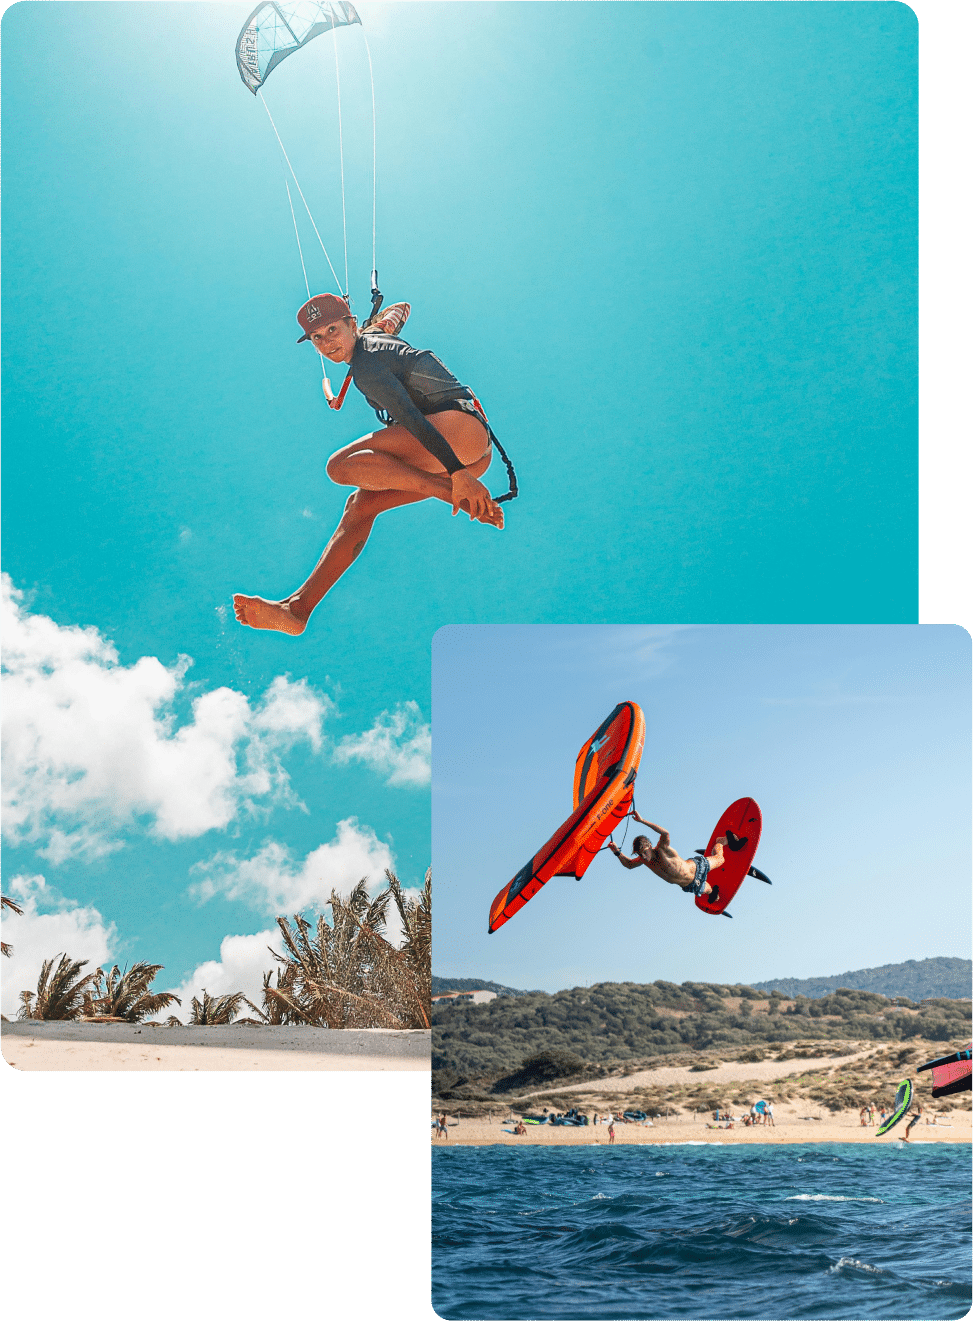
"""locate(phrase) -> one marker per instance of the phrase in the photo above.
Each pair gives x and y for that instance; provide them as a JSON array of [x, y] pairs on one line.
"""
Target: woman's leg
[[393, 460], [374, 457], [291, 614]]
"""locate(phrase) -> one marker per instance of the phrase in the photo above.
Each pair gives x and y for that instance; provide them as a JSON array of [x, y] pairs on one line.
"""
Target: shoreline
[[797, 1118], [791, 1127], [148, 1047]]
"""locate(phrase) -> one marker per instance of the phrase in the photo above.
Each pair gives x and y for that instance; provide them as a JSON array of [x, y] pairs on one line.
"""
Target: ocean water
[[702, 1230]]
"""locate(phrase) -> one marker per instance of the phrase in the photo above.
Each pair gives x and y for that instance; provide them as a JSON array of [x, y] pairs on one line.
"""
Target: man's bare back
[[666, 863]]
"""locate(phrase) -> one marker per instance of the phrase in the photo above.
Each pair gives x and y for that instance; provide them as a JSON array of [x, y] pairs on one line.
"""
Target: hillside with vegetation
[[442, 985], [919, 979], [537, 1040]]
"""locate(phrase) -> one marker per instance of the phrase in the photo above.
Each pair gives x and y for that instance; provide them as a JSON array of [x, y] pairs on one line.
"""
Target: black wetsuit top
[[404, 384]]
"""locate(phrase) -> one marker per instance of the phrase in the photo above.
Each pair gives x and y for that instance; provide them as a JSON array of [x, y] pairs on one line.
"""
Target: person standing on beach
[[611, 1131], [664, 861], [443, 1131]]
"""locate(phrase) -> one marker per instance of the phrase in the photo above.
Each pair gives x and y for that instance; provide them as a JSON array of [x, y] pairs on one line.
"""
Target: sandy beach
[[801, 1121], [146, 1047], [790, 1126]]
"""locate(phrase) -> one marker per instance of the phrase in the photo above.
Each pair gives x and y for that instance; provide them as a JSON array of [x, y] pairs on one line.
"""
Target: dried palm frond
[[215, 1010], [280, 1007], [346, 973], [60, 991], [126, 995], [416, 949], [7, 902]]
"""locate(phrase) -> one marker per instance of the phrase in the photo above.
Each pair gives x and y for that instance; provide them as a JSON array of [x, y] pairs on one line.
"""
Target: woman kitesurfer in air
[[436, 444], [664, 861]]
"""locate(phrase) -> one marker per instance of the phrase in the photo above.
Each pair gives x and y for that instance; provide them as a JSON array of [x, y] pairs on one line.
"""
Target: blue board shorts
[[702, 871]]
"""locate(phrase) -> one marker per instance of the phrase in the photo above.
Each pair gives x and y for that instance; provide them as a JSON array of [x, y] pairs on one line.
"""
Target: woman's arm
[[381, 386], [376, 377]]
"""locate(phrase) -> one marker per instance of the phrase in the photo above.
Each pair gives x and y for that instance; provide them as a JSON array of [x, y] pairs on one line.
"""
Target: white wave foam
[[842, 1262], [692, 1144], [829, 1197]]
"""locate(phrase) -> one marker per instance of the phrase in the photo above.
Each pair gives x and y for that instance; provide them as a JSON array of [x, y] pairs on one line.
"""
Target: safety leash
[[513, 490]]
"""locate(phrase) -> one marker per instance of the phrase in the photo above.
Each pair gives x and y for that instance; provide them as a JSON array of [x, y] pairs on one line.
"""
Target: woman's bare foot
[[492, 515], [255, 612]]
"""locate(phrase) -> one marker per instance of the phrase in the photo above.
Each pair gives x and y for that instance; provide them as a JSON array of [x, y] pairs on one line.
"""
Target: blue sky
[[672, 247], [853, 740]]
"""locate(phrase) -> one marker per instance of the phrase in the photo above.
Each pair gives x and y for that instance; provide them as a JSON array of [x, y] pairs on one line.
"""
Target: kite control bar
[[376, 300]]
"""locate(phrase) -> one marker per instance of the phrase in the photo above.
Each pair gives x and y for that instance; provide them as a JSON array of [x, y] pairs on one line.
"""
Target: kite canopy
[[275, 30], [603, 778], [903, 1099], [951, 1073]]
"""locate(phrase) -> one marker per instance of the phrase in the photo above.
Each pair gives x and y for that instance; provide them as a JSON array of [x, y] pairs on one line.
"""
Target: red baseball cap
[[321, 310]]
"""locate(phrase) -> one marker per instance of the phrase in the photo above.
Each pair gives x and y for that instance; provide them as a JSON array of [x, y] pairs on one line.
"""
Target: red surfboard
[[604, 776], [742, 819]]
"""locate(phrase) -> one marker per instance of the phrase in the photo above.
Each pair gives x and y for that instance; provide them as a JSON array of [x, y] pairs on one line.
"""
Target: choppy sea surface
[[702, 1231]]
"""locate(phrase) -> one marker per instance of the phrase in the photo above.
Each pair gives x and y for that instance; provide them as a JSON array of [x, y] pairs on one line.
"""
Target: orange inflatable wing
[[604, 774], [619, 738]]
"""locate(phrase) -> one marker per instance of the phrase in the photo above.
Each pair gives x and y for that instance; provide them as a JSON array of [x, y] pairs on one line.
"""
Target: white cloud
[[274, 882], [242, 963], [92, 746], [398, 745], [393, 924], [79, 932], [290, 712], [278, 883]]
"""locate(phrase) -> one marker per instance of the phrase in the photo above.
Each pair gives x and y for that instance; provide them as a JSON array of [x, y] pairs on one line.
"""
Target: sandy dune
[[766, 1071]]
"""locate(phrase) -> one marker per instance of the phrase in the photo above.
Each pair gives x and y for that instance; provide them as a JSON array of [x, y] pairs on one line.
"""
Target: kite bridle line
[[324, 371], [335, 401], [300, 191], [300, 250], [341, 160], [371, 81]]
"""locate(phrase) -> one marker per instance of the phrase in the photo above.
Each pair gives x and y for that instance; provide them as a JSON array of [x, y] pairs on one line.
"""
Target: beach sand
[[799, 1121], [143, 1047], [790, 1127]]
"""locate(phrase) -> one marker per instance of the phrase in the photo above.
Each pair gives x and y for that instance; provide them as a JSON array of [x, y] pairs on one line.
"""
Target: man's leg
[[716, 858]]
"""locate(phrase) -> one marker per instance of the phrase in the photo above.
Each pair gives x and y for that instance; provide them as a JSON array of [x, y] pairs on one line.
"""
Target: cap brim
[[303, 338]]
